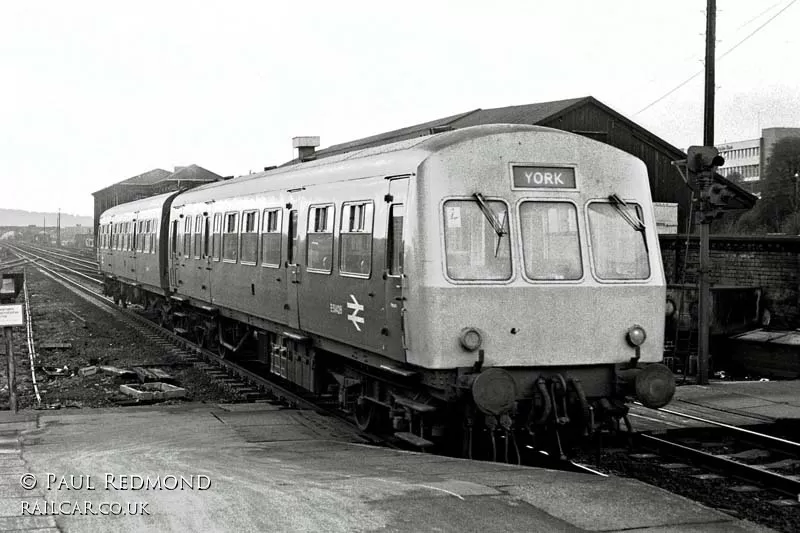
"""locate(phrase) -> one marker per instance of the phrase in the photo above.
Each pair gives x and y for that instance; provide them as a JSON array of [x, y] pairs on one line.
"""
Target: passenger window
[[293, 237], [216, 242], [355, 236], [394, 242], [187, 236], [320, 239], [550, 245], [271, 238], [230, 239], [198, 235], [206, 235], [250, 237], [473, 248], [175, 246]]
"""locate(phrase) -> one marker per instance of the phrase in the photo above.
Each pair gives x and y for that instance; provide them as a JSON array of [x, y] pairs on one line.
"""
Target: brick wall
[[771, 263]]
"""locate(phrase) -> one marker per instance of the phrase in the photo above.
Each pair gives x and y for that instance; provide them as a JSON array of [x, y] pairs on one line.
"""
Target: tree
[[779, 207]]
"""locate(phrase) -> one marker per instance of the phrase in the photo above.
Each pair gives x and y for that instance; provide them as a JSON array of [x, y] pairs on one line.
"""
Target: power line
[[731, 49]]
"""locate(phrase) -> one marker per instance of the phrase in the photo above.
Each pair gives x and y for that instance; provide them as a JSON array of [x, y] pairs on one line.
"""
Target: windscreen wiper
[[619, 204], [499, 226]]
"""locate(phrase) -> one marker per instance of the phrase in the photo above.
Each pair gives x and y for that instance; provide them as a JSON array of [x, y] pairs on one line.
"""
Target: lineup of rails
[[216, 366], [780, 453]]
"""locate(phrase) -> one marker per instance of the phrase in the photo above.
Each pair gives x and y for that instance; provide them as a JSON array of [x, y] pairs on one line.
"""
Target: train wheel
[[366, 414]]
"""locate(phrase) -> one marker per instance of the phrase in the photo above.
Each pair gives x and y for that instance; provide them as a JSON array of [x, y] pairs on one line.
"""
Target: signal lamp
[[470, 339]]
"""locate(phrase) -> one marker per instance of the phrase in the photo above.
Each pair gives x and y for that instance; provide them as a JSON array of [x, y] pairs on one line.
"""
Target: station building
[[746, 161], [147, 184], [584, 116]]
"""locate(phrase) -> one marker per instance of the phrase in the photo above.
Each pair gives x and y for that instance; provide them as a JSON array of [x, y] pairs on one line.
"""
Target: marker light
[[669, 309], [636, 335], [470, 339]]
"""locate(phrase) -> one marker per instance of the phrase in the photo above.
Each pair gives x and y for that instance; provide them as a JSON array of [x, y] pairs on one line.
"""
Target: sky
[[95, 92]]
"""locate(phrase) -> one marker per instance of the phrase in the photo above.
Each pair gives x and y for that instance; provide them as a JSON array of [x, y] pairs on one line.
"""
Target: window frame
[[216, 229], [582, 245], [331, 207], [255, 231], [197, 236], [647, 244], [369, 226], [278, 231], [443, 243], [235, 232]]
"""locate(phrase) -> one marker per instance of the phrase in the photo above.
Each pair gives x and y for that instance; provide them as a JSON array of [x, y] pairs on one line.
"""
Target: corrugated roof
[[518, 114], [522, 114]]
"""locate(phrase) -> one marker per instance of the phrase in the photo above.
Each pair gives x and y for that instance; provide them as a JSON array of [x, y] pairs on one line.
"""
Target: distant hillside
[[17, 217]]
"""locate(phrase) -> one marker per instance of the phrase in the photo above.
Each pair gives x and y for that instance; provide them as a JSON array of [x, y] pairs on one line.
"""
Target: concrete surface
[[321, 480], [765, 399]]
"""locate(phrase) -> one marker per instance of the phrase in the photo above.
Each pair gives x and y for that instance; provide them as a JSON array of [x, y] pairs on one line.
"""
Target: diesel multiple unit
[[499, 278]]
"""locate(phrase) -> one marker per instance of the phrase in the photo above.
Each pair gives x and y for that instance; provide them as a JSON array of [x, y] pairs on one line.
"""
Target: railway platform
[[736, 403], [258, 467]]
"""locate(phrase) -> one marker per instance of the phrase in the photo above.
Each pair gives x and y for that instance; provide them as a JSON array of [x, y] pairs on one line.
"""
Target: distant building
[[746, 161], [150, 183]]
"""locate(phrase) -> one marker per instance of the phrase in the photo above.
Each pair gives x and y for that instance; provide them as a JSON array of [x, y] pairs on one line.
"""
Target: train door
[[205, 256], [136, 247], [293, 270], [174, 255], [394, 276]]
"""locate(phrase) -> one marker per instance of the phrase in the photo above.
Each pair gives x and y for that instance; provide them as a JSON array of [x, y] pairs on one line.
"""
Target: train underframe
[[475, 412]]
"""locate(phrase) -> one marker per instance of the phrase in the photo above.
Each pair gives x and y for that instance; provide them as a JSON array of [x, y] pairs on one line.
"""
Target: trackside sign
[[543, 177], [10, 315]]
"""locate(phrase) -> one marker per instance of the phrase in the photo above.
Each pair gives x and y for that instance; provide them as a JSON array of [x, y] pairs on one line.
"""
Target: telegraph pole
[[58, 230], [704, 320]]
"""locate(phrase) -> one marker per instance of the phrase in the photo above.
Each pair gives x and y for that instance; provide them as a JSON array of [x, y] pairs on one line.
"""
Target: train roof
[[152, 202], [387, 159]]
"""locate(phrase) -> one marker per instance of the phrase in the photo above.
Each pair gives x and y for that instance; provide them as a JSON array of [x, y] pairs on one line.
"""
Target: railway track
[[769, 462], [243, 381]]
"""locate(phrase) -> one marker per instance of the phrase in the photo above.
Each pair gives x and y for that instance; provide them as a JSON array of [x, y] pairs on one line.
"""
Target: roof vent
[[440, 129], [305, 147]]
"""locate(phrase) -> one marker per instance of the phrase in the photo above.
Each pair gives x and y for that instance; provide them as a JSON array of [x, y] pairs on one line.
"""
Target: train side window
[[206, 236], [249, 253], [187, 236], [174, 237], [271, 238], [140, 236], [320, 239], [473, 248], [156, 226], [198, 235], [355, 239], [292, 237], [216, 241], [394, 241], [551, 249], [230, 238]]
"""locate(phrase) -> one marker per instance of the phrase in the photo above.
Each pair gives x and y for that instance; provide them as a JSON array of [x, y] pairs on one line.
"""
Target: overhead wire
[[731, 49]]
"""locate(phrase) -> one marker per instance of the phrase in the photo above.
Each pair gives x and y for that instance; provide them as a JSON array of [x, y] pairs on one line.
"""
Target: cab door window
[[394, 241]]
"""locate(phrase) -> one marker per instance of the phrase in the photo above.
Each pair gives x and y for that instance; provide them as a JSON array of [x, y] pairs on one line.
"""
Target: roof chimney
[[305, 147]]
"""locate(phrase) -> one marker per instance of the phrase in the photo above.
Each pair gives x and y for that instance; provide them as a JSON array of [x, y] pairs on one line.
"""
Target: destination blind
[[526, 177]]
